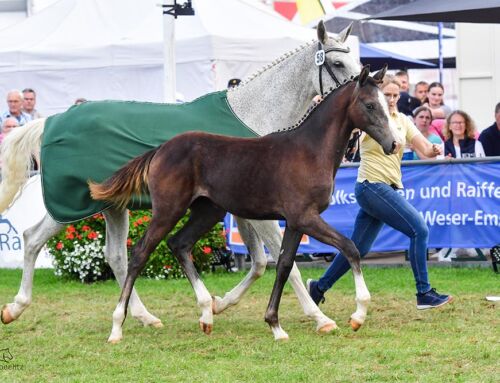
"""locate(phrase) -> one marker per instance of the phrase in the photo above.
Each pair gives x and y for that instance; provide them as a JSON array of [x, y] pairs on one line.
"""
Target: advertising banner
[[459, 202]]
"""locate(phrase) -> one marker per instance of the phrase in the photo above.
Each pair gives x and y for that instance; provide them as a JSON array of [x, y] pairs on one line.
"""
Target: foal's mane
[[313, 107]]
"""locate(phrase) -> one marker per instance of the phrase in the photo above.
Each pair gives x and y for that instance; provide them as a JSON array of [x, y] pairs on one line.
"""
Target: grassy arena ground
[[62, 337]]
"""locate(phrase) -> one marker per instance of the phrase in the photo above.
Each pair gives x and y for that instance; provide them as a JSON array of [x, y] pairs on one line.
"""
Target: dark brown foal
[[285, 175]]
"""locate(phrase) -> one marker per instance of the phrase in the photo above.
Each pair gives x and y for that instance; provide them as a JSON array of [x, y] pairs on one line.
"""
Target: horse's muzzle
[[395, 147]]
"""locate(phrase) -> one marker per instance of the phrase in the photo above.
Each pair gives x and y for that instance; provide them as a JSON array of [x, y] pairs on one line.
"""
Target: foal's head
[[369, 112]]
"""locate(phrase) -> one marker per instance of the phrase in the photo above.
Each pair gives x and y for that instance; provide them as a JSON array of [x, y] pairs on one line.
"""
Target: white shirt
[[478, 150]]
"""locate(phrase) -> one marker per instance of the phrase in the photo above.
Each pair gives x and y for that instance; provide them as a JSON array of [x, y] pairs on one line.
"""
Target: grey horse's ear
[[363, 76], [322, 35], [379, 76], [342, 37]]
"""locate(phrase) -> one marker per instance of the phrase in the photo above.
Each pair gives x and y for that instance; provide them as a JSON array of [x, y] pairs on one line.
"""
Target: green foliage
[[78, 251]]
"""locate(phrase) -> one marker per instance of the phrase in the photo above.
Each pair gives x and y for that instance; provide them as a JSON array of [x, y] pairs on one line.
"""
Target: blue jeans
[[380, 204]]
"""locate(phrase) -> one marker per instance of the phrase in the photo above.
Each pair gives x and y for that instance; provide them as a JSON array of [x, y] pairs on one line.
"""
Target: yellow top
[[376, 166]]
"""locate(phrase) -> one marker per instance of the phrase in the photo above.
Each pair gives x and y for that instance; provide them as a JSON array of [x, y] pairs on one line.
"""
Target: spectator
[[15, 104], [459, 131], [406, 103], [490, 137], [421, 89], [376, 190], [234, 82], [7, 125], [29, 102], [435, 101], [422, 118]]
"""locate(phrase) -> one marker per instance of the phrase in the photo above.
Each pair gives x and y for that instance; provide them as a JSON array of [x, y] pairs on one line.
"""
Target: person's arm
[[424, 148]]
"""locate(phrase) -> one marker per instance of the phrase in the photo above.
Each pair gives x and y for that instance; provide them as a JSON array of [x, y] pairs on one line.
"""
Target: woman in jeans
[[379, 178]]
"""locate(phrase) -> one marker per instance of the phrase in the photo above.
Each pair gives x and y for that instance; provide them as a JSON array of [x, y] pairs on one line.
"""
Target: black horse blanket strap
[[94, 139]]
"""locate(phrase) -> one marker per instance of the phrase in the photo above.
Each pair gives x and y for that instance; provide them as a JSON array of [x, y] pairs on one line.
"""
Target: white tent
[[113, 49]]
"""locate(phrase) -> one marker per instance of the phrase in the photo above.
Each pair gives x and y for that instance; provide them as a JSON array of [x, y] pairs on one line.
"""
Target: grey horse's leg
[[259, 262], [254, 233], [117, 225], [34, 239]]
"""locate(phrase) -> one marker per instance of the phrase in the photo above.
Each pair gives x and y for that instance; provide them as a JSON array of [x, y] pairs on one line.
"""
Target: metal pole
[[169, 86], [440, 53]]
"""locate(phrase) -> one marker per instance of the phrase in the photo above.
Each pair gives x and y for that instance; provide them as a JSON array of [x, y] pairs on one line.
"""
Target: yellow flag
[[309, 10]]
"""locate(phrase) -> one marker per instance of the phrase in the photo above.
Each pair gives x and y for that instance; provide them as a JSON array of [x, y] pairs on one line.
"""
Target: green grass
[[62, 336]]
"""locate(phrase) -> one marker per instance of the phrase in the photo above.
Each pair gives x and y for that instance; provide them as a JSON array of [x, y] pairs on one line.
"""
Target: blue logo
[[9, 236]]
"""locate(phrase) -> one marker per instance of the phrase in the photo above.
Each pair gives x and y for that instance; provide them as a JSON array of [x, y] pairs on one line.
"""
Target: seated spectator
[[490, 137], [435, 101], [422, 118], [421, 89], [7, 125], [15, 104], [29, 103], [459, 131], [406, 103]]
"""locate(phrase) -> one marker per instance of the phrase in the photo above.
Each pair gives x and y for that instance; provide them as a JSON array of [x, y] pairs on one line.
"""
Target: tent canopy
[[378, 57], [113, 49], [466, 11]]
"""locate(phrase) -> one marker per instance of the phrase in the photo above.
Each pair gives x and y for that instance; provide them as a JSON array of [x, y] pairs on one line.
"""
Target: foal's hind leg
[[116, 255], [204, 215], [34, 239], [259, 262], [270, 233]]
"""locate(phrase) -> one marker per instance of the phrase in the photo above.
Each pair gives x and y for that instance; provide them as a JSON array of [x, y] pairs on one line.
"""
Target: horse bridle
[[320, 59]]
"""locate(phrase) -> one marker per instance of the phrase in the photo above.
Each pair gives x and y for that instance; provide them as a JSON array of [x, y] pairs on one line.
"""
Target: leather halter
[[321, 55]]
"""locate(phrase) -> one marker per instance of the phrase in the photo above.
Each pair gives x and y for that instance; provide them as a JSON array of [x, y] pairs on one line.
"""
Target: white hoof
[[279, 333]]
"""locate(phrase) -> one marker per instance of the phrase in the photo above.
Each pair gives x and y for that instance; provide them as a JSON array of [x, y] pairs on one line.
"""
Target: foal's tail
[[131, 179], [18, 149]]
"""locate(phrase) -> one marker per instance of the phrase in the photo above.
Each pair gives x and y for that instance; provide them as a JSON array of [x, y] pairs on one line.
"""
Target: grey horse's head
[[337, 56]]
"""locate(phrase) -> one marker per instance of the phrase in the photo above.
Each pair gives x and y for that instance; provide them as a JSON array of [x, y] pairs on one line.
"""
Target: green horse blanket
[[94, 139]]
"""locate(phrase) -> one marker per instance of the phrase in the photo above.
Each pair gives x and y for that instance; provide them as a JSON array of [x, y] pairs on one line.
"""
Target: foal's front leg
[[291, 241], [319, 229]]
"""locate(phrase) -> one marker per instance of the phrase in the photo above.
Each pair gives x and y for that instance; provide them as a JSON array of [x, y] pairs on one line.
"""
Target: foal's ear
[[363, 76], [322, 35], [379, 76], [345, 33]]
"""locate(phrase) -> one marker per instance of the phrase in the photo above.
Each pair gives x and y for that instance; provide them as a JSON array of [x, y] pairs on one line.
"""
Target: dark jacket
[[407, 104], [490, 138], [467, 146]]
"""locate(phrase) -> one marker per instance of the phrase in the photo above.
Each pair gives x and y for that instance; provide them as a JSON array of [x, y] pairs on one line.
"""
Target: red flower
[[78, 236], [207, 249], [86, 228], [70, 229], [70, 236], [98, 216], [92, 235], [145, 218], [135, 224], [139, 221], [167, 267], [59, 245], [129, 242]]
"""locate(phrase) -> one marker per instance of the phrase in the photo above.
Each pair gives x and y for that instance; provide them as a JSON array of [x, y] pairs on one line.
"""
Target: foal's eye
[[338, 64], [370, 106]]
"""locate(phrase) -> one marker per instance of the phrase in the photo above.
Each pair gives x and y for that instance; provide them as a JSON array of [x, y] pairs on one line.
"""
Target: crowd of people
[[455, 130], [21, 108]]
